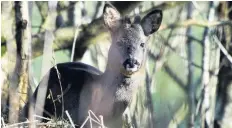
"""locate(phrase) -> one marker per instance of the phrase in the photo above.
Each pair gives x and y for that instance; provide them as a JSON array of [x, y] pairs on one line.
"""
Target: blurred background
[[189, 70]]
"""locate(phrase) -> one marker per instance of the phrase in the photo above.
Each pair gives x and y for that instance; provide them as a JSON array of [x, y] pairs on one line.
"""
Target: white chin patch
[[134, 69]]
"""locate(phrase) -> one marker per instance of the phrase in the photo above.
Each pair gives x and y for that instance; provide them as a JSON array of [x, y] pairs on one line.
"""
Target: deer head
[[129, 39]]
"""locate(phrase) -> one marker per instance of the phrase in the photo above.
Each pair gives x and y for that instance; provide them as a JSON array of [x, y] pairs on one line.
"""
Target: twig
[[53, 101], [102, 121], [94, 115], [42, 117], [61, 89], [199, 106], [3, 122], [70, 119], [99, 123], [74, 43], [83, 124], [75, 36], [222, 48], [90, 121]]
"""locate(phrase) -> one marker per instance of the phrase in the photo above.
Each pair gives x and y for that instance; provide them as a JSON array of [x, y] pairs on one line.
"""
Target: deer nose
[[130, 63]]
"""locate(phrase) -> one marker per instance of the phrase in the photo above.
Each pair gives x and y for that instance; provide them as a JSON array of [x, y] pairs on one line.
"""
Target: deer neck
[[119, 85]]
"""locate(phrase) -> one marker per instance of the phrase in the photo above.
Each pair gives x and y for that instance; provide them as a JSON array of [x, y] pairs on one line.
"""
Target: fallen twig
[[70, 119]]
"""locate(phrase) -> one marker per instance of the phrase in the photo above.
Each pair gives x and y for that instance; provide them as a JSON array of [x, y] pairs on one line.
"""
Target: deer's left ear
[[111, 16], [151, 22]]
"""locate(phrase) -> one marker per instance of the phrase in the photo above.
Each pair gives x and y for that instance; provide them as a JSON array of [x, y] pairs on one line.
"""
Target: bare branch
[[193, 22], [222, 48], [175, 77]]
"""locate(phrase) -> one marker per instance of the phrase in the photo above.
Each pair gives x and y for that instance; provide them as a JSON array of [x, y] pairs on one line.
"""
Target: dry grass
[[92, 120]]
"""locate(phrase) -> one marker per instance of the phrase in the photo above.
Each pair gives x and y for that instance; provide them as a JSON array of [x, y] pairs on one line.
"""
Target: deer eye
[[142, 45]]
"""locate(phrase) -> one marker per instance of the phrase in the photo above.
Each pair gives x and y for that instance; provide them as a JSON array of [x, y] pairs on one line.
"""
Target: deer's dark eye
[[142, 45]]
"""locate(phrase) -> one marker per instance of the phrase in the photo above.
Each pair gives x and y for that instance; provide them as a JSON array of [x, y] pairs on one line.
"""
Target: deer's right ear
[[111, 16]]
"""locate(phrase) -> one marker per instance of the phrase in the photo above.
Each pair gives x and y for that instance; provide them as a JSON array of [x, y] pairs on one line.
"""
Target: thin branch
[[194, 22], [189, 36], [42, 117], [3, 122], [175, 77], [53, 101], [83, 124], [70, 119], [61, 88], [74, 43], [222, 48], [102, 121]]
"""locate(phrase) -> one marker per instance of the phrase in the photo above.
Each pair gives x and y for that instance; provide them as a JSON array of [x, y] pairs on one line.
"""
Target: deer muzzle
[[131, 65]]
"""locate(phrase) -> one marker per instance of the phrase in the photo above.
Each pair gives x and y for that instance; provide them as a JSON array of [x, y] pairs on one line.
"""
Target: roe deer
[[109, 93]]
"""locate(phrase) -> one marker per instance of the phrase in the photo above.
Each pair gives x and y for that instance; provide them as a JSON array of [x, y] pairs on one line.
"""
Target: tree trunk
[[48, 57], [210, 70], [190, 78], [19, 80]]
